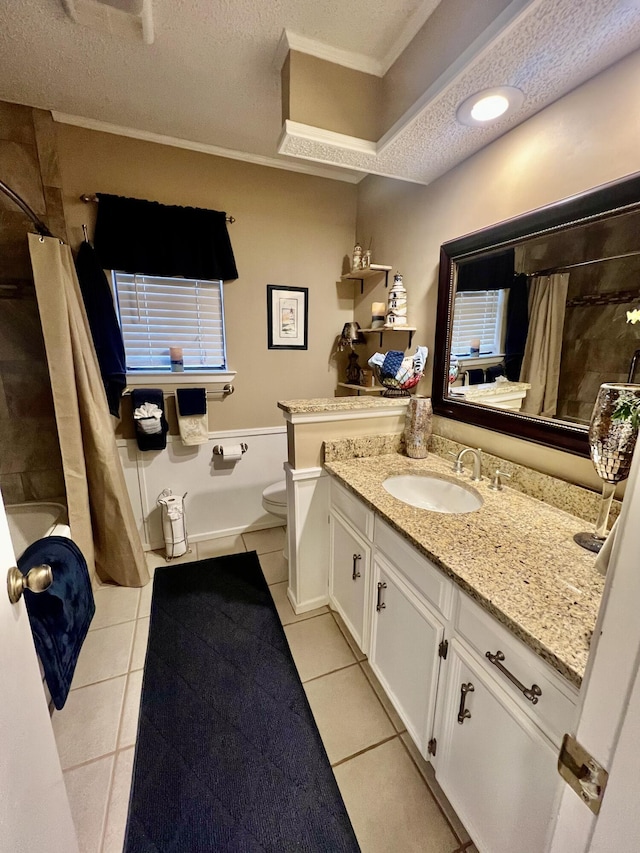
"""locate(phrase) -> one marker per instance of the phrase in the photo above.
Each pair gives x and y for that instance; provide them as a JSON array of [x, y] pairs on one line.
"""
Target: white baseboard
[[305, 606], [220, 534]]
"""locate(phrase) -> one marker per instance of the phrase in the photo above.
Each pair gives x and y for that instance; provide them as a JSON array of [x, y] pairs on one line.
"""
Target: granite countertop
[[339, 404], [515, 555]]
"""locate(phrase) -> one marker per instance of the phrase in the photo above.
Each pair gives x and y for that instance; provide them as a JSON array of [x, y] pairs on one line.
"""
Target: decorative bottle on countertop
[[417, 427]]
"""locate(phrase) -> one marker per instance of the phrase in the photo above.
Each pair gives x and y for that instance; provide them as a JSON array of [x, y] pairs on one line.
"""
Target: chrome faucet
[[477, 462]]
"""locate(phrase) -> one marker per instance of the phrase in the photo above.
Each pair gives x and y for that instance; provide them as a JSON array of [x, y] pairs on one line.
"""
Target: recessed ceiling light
[[488, 105]]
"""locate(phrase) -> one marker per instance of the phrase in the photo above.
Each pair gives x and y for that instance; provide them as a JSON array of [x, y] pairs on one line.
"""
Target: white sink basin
[[433, 493]]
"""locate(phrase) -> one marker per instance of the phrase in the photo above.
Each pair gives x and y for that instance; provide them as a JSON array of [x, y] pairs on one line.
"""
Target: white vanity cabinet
[[404, 654], [495, 766], [478, 702], [350, 531], [497, 748]]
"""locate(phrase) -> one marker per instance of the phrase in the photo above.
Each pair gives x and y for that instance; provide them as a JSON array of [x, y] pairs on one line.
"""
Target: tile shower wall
[[30, 464]]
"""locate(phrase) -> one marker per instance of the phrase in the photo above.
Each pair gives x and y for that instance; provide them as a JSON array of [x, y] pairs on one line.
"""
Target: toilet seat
[[274, 499]]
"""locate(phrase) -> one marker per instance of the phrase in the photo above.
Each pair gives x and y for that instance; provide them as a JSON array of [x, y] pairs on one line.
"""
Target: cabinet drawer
[[555, 709], [357, 514], [424, 576]]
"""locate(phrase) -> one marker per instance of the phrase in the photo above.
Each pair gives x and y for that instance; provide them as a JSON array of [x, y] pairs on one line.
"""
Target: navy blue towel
[[192, 401], [154, 441], [391, 364], [105, 329], [476, 376], [60, 616]]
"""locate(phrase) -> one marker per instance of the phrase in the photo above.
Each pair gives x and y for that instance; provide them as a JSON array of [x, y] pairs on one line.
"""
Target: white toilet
[[274, 500]]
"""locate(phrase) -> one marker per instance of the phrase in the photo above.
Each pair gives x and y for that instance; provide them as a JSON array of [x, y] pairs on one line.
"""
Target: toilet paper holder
[[217, 448]]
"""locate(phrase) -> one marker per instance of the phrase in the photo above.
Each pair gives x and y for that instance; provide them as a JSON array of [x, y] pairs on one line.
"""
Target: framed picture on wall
[[287, 317]]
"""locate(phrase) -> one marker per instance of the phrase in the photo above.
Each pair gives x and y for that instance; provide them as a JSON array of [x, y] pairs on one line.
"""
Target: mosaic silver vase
[[611, 446]]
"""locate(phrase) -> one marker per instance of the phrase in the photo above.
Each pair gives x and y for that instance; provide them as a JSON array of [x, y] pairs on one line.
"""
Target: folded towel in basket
[[60, 616], [145, 401]]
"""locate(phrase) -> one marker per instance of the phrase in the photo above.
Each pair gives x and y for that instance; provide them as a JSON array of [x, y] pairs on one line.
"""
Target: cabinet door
[[405, 640], [349, 578], [496, 767]]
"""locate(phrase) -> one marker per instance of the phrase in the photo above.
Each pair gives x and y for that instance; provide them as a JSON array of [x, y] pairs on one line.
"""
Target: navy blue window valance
[[494, 272], [149, 238]]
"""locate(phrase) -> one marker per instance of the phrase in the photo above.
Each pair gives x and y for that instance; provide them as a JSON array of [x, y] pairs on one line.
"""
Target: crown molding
[[324, 146], [335, 173], [348, 59]]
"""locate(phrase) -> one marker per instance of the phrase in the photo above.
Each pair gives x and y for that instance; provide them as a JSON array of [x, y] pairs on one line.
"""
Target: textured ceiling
[[210, 78], [551, 47]]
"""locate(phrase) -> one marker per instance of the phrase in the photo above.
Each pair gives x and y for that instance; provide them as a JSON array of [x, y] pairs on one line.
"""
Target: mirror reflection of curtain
[[100, 515], [541, 362]]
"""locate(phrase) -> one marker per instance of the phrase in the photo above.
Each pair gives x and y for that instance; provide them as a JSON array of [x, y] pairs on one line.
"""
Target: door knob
[[37, 579]]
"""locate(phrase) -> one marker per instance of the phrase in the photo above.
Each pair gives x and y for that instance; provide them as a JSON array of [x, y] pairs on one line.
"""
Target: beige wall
[[323, 94], [290, 229], [587, 138]]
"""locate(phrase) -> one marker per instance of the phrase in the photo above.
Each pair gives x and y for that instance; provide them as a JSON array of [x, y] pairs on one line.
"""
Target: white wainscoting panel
[[308, 536], [223, 497]]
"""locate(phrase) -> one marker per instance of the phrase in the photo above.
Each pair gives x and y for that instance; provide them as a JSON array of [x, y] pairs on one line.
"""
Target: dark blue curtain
[[149, 238]]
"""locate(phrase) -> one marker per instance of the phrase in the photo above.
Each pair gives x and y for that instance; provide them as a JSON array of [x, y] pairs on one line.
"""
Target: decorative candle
[[474, 346], [177, 362], [377, 315]]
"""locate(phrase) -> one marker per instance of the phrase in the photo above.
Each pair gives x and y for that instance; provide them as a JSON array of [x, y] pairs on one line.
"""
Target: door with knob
[[495, 766], [405, 642], [34, 810], [349, 577]]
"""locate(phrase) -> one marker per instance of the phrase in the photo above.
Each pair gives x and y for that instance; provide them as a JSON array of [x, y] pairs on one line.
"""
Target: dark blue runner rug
[[228, 756]]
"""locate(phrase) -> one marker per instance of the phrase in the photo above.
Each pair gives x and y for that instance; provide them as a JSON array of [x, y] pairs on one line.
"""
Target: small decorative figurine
[[356, 261], [396, 304]]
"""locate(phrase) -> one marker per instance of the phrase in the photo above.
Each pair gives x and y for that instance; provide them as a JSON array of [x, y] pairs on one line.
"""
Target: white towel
[[194, 429]]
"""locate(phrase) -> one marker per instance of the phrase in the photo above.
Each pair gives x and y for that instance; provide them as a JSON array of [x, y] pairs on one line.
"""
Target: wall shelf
[[392, 329], [369, 272], [377, 389]]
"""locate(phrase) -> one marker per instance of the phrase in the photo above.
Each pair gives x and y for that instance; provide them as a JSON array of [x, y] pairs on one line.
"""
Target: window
[[156, 313], [478, 315]]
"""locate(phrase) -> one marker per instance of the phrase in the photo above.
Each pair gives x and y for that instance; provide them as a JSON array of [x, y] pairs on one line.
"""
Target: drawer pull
[[531, 693], [464, 713], [356, 573], [380, 605]]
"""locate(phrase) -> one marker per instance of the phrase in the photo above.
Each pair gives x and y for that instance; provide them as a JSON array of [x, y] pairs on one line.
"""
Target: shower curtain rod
[[22, 204], [86, 198], [582, 264]]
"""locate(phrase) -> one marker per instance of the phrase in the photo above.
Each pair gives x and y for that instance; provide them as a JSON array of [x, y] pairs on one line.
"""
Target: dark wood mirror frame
[[603, 201]]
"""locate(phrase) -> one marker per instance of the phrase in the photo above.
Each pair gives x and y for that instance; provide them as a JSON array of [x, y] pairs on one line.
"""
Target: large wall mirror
[[532, 317]]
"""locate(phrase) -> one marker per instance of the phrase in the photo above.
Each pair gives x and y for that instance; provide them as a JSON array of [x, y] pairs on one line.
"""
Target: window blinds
[[157, 312], [477, 314]]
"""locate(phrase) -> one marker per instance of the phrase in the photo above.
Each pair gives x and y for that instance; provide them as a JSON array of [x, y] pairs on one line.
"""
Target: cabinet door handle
[[531, 693], [356, 573], [464, 713], [380, 605]]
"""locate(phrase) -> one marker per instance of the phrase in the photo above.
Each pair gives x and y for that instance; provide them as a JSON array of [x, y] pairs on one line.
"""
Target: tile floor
[[390, 792]]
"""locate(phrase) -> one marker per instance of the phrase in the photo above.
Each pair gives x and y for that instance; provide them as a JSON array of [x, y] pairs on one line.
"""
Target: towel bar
[[226, 391]]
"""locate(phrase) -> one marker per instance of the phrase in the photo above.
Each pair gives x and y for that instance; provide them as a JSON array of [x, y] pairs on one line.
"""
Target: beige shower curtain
[[543, 349], [100, 514]]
